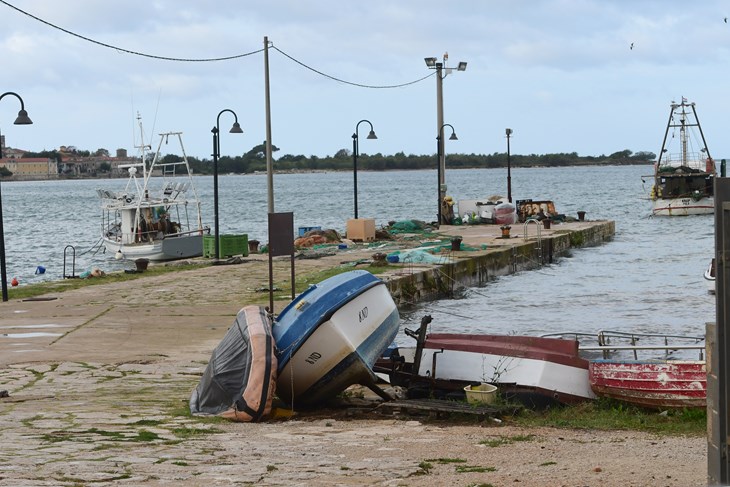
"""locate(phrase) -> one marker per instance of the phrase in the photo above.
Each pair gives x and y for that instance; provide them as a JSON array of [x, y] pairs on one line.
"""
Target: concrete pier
[[529, 246], [98, 378]]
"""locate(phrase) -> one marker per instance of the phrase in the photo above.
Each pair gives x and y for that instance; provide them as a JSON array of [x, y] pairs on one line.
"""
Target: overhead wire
[[214, 59], [128, 51], [349, 82]]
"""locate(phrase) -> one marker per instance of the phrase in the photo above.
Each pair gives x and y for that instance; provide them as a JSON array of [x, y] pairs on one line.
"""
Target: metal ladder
[[73, 262], [538, 236]]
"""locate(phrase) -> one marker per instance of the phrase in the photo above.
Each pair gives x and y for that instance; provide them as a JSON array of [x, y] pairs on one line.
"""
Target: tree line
[[255, 160]]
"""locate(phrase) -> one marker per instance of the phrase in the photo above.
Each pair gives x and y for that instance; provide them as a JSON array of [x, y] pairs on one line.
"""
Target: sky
[[562, 74]]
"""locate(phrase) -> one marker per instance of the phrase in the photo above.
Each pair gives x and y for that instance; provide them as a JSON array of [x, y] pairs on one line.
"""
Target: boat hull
[[240, 379], [548, 367], [330, 336], [651, 383], [183, 247], [683, 206]]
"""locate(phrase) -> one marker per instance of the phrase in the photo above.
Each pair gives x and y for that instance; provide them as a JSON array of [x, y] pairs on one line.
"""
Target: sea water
[[649, 278]]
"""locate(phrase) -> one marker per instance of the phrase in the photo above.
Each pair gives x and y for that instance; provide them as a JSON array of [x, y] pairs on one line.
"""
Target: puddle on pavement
[[44, 325], [29, 335]]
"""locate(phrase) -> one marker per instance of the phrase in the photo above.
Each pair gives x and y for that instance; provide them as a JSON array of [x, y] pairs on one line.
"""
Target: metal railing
[[608, 342]]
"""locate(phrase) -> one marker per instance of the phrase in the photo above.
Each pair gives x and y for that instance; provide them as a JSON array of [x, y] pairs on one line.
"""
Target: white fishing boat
[[684, 172], [157, 216]]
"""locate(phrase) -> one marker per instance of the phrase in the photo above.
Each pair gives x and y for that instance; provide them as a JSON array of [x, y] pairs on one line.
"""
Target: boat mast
[[683, 134], [664, 142], [699, 127], [142, 147]]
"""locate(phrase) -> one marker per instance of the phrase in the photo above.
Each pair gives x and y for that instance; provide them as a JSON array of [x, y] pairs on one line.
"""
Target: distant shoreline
[[316, 171]]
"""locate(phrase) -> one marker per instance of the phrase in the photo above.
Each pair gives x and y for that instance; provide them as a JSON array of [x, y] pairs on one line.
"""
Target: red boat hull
[[651, 383]]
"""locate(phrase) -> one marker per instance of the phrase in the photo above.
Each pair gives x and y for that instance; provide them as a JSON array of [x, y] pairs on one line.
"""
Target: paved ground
[[99, 379]]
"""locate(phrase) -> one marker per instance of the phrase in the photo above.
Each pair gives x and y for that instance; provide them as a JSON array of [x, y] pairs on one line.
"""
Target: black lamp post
[[355, 153], [22, 119], [438, 164], [509, 175], [236, 129]]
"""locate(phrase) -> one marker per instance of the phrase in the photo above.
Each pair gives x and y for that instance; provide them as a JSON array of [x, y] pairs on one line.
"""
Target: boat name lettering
[[685, 202], [313, 357], [362, 314]]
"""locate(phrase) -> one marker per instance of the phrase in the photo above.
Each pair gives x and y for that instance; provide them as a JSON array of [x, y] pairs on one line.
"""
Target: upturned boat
[[684, 172], [157, 216], [657, 383], [648, 370], [536, 371], [329, 337], [240, 380]]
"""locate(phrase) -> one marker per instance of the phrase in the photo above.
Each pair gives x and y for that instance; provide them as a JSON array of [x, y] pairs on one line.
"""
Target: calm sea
[[649, 278]]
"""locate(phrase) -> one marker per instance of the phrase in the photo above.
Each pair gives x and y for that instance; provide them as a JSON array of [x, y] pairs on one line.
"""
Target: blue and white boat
[[329, 337]]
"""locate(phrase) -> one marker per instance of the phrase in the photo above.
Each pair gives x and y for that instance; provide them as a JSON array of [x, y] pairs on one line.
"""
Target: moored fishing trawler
[[157, 216], [683, 179]]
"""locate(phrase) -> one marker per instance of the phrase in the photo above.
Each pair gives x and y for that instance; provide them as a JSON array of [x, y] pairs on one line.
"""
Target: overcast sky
[[560, 73]]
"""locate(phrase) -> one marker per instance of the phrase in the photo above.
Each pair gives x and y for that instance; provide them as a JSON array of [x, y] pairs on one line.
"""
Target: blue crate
[[303, 230]]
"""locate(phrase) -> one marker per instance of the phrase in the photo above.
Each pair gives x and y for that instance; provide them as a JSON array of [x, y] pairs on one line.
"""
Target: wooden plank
[[444, 406]]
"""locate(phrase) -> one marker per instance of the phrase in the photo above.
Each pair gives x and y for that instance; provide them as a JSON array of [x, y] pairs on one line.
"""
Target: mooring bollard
[[581, 216]]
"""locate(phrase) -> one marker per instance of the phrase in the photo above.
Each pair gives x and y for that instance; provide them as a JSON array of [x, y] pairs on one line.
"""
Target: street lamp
[[236, 129], [439, 145], [441, 72], [355, 153], [22, 119], [509, 175]]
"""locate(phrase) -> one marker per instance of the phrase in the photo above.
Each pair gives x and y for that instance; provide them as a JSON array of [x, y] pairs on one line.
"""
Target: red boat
[[651, 383]]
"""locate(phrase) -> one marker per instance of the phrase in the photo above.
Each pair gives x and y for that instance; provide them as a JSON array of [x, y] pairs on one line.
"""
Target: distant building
[[30, 168]]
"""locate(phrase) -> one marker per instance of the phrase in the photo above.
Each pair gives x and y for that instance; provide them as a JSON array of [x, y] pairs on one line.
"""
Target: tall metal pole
[[269, 162], [440, 124], [22, 119], [441, 72], [3, 272], [440, 153], [438, 177], [215, 190], [354, 167], [356, 153], [236, 129], [509, 175]]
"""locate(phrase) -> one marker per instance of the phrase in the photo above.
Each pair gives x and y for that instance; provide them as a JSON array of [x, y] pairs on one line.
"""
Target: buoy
[[14, 282], [119, 255], [40, 270]]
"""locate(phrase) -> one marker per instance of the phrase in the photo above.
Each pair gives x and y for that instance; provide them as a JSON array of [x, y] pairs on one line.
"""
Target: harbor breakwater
[[500, 257]]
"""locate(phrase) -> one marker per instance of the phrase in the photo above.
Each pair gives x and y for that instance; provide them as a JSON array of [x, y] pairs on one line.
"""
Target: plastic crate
[[228, 245]]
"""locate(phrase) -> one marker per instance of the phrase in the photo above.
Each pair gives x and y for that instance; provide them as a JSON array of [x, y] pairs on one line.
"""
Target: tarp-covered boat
[[240, 380], [329, 337]]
